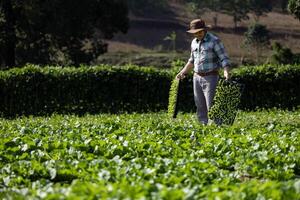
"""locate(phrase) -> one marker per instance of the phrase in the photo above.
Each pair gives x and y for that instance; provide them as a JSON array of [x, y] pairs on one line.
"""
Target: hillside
[[145, 38]]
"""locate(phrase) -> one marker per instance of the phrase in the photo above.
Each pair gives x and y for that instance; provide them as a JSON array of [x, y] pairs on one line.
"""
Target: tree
[[238, 9], [259, 7], [212, 5], [8, 38], [284, 4], [172, 39], [281, 55], [39, 31], [142, 7], [258, 37], [294, 8]]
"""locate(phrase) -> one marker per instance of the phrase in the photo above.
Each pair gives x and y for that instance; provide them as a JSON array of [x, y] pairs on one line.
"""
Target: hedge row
[[270, 86], [39, 91], [265, 86]]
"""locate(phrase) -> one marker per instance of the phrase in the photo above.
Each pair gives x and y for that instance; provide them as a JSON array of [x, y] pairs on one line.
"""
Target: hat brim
[[199, 29]]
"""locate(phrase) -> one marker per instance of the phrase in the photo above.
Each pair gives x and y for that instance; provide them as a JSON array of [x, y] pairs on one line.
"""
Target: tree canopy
[[294, 8], [142, 7], [258, 37], [238, 9], [49, 31], [259, 7]]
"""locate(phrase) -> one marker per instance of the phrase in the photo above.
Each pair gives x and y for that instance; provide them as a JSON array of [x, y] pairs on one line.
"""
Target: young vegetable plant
[[173, 98], [226, 102]]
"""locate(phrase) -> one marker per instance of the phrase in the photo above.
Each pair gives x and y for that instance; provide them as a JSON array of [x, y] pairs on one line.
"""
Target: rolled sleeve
[[191, 59], [221, 53]]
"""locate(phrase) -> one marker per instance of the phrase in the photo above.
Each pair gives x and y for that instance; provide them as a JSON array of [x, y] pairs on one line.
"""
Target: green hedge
[[269, 86], [39, 91], [265, 86]]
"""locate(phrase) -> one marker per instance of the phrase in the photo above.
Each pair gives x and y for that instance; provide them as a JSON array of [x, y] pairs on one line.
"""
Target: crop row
[[150, 156]]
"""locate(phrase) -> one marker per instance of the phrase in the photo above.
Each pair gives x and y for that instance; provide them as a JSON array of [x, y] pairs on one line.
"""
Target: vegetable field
[[151, 156]]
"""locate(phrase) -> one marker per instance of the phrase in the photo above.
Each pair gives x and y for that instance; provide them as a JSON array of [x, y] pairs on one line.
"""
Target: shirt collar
[[206, 38]]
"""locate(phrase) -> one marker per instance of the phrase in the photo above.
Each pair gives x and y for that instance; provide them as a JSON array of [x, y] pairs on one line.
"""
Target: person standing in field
[[207, 57]]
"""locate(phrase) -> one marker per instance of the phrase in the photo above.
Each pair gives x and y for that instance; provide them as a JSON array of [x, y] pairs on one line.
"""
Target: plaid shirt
[[208, 54]]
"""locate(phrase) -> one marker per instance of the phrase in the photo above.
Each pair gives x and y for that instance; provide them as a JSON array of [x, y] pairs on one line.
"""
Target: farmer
[[207, 57]]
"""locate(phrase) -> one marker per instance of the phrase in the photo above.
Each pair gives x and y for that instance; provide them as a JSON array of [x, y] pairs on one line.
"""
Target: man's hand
[[181, 75], [226, 73]]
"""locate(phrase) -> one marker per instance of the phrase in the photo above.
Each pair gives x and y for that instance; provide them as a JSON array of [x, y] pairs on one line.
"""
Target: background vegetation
[[138, 48], [58, 32], [75, 32], [35, 90]]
